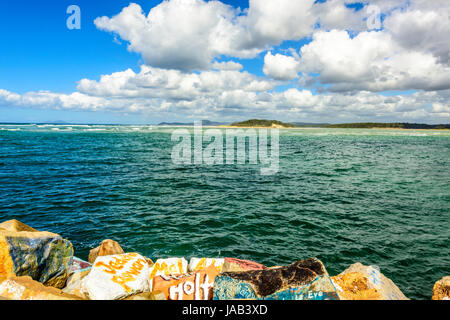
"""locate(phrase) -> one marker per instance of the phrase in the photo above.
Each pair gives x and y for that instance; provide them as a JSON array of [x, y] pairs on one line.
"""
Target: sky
[[144, 62]]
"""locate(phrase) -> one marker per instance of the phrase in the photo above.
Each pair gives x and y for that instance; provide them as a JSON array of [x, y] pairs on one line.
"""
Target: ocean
[[379, 197]]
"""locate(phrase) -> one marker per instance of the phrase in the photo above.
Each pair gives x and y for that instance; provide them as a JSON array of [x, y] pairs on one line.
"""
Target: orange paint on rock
[[190, 286]]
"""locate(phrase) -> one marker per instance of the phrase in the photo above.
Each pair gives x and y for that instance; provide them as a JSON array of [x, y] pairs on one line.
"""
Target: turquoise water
[[343, 195]]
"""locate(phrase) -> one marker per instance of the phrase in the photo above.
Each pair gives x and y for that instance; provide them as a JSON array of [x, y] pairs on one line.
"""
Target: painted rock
[[44, 256], [79, 265], [25, 288], [197, 264], [167, 267], [441, 289], [261, 283], [235, 265], [191, 286], [372, 283], [320, 288], [108, 247], [116, 277], [355, 286]]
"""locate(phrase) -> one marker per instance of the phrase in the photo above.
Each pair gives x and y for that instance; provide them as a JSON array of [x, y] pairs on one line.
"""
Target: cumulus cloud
[[422, 30], [280, 67], [172, 84], [178, 34], [372, 61], [147, 92], [227, 65], [188, 34]]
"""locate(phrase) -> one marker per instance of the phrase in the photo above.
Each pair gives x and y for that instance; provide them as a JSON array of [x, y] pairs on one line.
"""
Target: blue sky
[[40, 54]]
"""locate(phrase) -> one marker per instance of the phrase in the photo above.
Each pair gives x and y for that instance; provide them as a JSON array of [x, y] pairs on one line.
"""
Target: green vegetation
[[263, 123], [360, 125]]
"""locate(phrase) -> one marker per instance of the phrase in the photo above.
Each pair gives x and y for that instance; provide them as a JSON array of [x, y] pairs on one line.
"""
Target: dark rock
[[268, 281], [44, 256]]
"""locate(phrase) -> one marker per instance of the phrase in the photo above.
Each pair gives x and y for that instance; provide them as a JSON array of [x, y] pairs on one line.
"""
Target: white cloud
[[333, 14], [371, 61], [228, 101], [426, 31], [280, 67], [188, 34], [227, 65], [180, 34], [271, 22], [172, 84]]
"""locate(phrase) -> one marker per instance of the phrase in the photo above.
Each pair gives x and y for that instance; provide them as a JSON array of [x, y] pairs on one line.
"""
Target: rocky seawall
[[39, 265]]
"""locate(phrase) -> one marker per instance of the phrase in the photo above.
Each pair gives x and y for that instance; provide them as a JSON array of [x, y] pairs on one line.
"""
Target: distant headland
[[258, 123]]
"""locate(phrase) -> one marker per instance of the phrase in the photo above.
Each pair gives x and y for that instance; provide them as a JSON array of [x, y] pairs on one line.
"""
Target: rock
[[441, 289], [108, 247], [191, 286], [25, 288], [167, 267], [44, 256], [117, 276], [355, 286], [261, 283], [156, 295], [79, 265], [319, 289], [16, 225], [74, 284], [196, 264], [370, 284], [235, 265]]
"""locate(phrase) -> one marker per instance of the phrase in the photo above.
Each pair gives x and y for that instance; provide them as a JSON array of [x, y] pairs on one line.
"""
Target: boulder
[[441, 289], [116, 277], [74, 284], [255, 284], [320, 288], [25, 288], [167, 267], [197, 264], [191, 286], [108, 247], [79, 265], [235, 265], [355, 286], [360, 282], [44, 256]]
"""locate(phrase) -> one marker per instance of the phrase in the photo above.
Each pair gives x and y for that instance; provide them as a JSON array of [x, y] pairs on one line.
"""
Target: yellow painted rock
[[117, 277], [197, 264], [167, 267], [44, 256], [360, 282], [441, 289], [355, 286]]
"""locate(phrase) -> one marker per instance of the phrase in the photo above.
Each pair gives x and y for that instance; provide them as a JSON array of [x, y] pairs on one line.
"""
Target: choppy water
[[343, 195]]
